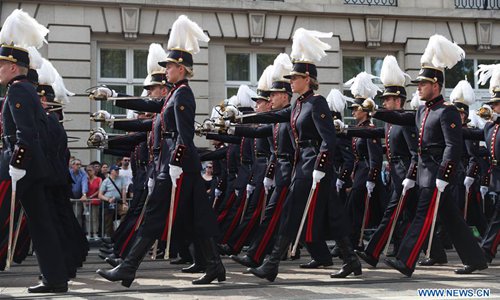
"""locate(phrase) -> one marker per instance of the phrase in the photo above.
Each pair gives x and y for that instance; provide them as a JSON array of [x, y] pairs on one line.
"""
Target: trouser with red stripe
[[263, 240], [251, 220], [475, 215], [193, 216], [295, 203], [461, 236], [380, 237], [233, 217], [492, 237]]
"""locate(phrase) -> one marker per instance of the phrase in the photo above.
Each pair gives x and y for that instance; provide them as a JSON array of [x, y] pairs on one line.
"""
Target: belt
[[399, 158], [262, 154], [169, 135], [494, 162], [285, 156], [308, 143], [432, 150]]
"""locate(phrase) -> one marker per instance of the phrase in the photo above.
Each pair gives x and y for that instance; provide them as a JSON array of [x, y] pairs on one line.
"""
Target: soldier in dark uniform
[[24, 158], [401, 153], [279, 173], [177, 166], [314, 134], [439, 149]]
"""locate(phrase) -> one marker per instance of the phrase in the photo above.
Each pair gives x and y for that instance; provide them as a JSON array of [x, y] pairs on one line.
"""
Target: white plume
[[47, 73], [60, 91], [36, 59], [476, 121], [391, 73], [22, 30], [244, 96], [363, 86], [155, 55], [441, 53], [416, 101], [336, 101], [486, 72], [131, 114], [282, 66], [265, 81], [463, 92], [185, 35], [307, 45], [147, 80]]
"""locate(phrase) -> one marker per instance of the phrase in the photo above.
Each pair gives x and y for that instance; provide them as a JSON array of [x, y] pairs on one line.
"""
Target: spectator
[[126, 170], [112, 191], [79, 187], [104, 171], [208, 176], [97, 168], [93, 195]]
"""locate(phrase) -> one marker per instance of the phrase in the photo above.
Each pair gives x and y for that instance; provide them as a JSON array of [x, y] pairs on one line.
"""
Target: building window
[[122, 69], [373, 2], [245, 67], [352, 65]]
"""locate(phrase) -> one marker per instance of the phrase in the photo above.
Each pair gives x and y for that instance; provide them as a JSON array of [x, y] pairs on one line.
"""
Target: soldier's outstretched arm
[[394, 117], [214, 155], [255, 132], [138, 125], [224, 138], [139, 104], [280, 116]]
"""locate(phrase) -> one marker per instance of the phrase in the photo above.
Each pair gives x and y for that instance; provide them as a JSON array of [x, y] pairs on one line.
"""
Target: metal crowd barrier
[[84, 210]]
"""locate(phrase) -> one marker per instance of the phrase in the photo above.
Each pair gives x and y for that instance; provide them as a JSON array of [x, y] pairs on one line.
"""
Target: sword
[[170, 221], [11, 223], [393, 225], [143, 210], [365, 216], [18, 228], [438, 198], [245, 204], [304, 216], [466, 203], [263, 212], [155, 249]]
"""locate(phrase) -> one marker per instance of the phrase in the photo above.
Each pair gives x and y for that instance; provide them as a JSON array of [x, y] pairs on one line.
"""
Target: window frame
[[253, 72]]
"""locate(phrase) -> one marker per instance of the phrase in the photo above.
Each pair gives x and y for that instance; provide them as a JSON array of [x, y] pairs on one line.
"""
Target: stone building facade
[[105, 42]]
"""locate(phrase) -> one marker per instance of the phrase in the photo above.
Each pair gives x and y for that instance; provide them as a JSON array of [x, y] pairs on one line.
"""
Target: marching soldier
[[368, 164], [177, 169], [24, 153], [401, 153], [439, 149], [314, 134], [492, 237], [279, 170]]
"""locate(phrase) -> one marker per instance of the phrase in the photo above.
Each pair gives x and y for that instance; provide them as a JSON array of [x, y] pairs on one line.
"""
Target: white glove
[[111, 122], [339, 184], [483, 190], [441, 185], [268, 183], [208, 125], [175, 173], [494, 116], [370, 185], [231, 130], [231, 112], [237, 193], [217, 193], [16, 174], [339, 125], [408, 184], [250, 189], [151, 183], [317, 176], [102, 114], [468, 182], [105, 91]]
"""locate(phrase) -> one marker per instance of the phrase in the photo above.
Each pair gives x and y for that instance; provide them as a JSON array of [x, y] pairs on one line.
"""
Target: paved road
[[160, 280]]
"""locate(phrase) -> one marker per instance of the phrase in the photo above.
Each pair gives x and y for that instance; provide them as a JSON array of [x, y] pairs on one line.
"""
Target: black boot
[[126, 270], [246, 261], [114, 262], [200, 260], [215, 268], [269, 270], [351, 261]]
